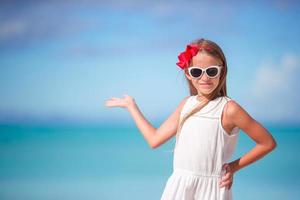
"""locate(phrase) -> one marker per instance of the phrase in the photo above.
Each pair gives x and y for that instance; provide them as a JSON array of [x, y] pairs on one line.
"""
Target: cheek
[[195, 81], [216, 81]]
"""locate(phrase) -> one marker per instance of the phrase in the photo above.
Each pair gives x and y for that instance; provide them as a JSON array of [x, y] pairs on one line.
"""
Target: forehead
[[203, 60]]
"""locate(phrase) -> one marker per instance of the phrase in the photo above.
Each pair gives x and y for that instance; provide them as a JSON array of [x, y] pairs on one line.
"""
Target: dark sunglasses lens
[[196, 72], [212, 72]]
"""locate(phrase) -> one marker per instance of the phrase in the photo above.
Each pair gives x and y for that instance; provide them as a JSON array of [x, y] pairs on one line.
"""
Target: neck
[[202, 97]]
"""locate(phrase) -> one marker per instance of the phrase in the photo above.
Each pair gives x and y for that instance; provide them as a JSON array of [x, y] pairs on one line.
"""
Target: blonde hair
[[216, 52]]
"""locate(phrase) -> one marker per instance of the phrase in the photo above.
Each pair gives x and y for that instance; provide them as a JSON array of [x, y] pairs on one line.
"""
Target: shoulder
[[183, 102], [186, 98], [232, 108], [235, 113]]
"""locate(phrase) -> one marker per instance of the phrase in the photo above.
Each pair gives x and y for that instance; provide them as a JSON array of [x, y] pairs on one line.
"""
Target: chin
[[206, 89], [205, 92]]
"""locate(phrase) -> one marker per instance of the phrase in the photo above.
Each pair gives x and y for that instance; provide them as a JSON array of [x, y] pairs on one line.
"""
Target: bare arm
[[154, 137], [265, 143]]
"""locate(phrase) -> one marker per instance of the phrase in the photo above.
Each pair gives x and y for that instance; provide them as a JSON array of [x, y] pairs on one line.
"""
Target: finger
[[225, 183], [110, 99], [227, 176], [114, 98], [111, 103]]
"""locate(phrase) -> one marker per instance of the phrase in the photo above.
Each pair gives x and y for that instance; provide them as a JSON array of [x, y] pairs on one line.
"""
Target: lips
[[205, 84]]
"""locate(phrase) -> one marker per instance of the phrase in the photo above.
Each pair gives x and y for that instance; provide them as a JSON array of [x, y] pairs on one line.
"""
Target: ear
[[187, 75]]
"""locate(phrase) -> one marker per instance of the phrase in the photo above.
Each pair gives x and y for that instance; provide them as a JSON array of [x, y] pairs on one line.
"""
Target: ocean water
[[79, 162]]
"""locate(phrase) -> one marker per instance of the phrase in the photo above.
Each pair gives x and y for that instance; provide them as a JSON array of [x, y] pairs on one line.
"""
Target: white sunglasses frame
[[204, 71]]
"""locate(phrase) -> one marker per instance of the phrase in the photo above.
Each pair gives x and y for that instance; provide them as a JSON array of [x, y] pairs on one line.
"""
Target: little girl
[[206, 125]]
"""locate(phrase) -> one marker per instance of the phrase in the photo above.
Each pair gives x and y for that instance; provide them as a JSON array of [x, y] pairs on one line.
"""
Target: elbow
[[155, 141], [274, 145], [153, 145], [271, 145]]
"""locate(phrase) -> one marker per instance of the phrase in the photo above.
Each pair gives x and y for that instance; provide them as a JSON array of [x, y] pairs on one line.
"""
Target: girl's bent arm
[[265, 143], [156, 137]]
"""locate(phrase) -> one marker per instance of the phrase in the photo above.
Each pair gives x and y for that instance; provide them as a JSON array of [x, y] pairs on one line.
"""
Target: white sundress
[[203, 147]]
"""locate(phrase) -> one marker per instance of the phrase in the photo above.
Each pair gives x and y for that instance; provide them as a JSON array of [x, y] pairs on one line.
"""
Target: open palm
[[120, 102]]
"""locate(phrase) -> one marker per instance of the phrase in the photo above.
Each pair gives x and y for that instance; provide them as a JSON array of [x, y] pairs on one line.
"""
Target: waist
[[199, 174]]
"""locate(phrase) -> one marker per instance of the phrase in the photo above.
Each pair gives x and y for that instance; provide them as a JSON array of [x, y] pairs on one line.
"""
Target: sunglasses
[[211, 71]]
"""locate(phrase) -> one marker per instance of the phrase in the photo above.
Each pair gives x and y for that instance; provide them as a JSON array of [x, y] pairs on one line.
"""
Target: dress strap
[[189, 104]]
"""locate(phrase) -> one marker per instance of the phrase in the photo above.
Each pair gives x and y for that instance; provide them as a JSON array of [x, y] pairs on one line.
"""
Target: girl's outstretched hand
[[227, 179], [125, 102]]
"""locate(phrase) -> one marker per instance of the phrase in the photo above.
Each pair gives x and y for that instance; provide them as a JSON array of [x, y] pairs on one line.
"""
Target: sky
[[61, 60]]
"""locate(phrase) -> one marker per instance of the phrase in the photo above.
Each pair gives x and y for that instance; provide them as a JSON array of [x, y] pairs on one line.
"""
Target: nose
[[204, 77]]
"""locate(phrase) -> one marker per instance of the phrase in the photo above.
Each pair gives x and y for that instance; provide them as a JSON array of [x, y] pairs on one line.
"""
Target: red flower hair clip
[[186, 56]]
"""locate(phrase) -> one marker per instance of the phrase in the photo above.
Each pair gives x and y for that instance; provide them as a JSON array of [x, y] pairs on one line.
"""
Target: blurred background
[[61, 60]]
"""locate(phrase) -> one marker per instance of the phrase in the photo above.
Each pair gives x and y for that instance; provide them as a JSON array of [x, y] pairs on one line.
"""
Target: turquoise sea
[[80, 162]]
